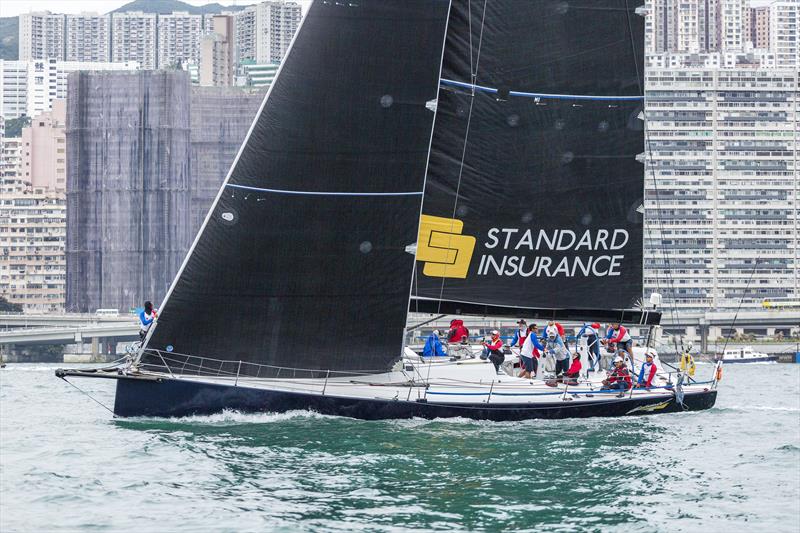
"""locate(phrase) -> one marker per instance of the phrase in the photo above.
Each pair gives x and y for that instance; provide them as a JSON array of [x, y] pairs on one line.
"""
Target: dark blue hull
[[173, 398]]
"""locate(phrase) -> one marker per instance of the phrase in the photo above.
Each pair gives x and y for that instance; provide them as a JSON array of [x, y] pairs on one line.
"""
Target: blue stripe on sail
[[493, 90], [325, 193]]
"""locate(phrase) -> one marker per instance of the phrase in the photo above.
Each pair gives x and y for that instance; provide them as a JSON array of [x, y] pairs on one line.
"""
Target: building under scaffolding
[[146, 153]]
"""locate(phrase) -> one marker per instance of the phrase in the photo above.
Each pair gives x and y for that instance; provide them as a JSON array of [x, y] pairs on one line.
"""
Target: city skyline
[[13, 8], [721, 112]]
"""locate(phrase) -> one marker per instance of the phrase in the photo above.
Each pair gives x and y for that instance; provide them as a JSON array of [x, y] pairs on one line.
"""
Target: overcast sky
[[10, 8]]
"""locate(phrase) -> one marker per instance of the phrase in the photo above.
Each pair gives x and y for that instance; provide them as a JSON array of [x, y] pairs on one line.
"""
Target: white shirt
[[527, 347]]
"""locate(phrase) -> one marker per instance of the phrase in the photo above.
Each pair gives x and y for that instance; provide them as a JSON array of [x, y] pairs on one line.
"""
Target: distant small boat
[[747, 355]]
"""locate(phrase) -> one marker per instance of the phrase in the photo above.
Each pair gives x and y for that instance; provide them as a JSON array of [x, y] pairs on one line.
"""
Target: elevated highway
[[19, 320], [18, 331]]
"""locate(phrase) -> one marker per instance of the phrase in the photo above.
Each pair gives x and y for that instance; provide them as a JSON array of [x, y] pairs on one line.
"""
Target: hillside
[[168, 6], [9, 38]]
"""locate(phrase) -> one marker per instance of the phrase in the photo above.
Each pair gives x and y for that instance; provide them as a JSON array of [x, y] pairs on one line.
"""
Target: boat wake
[[231, 417], [759, 408]]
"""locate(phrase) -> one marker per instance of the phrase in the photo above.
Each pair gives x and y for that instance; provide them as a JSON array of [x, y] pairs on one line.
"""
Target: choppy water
[[67, 465]]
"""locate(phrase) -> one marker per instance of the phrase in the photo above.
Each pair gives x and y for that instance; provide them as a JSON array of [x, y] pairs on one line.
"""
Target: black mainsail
[[301, 262], [533, 184]]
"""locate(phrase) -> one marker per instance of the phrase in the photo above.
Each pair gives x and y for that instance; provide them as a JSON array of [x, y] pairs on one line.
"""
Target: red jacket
[[457, 331], [495, 344], [575, 367], [621, 374]]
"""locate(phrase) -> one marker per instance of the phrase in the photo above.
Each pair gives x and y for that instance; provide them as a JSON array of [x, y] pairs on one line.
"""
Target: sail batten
[[495, 90]]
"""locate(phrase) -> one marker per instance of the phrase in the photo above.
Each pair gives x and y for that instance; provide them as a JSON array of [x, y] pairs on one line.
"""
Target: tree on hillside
[[14, 126], [9, 307]]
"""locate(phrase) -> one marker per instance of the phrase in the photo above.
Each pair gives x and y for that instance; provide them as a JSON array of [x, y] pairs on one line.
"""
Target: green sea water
[[67, 465]]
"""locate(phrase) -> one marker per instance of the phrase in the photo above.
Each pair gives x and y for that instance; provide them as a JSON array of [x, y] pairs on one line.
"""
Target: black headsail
[[533, 186], [301, 262]]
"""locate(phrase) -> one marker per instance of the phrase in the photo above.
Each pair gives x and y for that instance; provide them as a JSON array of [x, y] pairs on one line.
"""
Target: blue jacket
[[433, 347], [144, 320], [515, 339]]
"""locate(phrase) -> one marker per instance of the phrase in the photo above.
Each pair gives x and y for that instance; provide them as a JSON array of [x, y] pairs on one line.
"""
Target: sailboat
[[453, 157]]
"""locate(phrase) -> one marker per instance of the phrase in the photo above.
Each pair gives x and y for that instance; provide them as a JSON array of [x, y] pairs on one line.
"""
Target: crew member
[[574, 371], [494, 349], [619, 378], [519, 335], [619, 335], [647, 373], [146, 317], [560, 329], [529, 353], [457, 331], [555, 347], [592, 333], [433, 346]]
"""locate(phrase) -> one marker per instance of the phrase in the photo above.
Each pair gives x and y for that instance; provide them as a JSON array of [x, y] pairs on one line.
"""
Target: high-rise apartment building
[[32, 227], [759, 27], [10, 156], [276, 24], [702, 26], [43, 162], [133, 38], [41, 36], [731, 17], [13, 88], [32, 234], [88, 37], [264, 31], [721, 190], [245, 34], [784, 32], [216, 53], [179, 36]]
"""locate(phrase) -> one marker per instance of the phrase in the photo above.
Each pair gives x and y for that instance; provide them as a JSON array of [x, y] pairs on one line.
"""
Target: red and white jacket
[[646, 374], [620, 335], [495, 344], [620, 374]]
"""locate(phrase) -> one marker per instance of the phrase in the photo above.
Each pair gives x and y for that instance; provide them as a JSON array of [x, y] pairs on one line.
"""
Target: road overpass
[[19, 320], [102, 336]]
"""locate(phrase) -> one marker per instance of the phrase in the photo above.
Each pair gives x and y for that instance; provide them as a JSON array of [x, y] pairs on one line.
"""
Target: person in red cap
[[493, 348], [592, 334]]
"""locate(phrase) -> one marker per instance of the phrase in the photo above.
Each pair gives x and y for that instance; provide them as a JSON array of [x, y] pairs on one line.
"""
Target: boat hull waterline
[[170, 397]]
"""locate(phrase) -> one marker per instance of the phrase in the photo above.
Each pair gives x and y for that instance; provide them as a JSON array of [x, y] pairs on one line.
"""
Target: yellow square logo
[[445, 252]]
